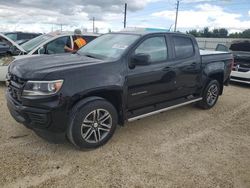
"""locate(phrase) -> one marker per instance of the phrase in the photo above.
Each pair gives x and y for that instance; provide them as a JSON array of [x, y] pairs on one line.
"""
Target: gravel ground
[[185, 147]]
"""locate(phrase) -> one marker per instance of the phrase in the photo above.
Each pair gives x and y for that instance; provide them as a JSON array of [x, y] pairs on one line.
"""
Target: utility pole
[[176, 17], [125, 15], [93, 24]]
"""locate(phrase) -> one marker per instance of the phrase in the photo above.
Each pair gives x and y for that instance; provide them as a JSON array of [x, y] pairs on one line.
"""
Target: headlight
[[42, 88]]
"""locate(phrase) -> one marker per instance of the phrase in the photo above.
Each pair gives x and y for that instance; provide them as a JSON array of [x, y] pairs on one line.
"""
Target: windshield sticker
[[119, 46]]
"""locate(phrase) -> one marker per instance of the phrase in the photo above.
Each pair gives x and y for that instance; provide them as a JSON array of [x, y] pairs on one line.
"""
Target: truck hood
[[37, 67]]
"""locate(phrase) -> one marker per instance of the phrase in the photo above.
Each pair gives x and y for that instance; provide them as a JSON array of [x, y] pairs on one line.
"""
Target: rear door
[[187, 65]]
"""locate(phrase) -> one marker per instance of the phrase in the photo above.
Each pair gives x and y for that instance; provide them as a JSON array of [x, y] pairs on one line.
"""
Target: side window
[[155, 47], [57, 45], [12, 36], [183, 47]]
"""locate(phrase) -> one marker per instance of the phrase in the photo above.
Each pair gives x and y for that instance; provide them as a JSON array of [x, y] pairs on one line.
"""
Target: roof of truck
[[142, 33]]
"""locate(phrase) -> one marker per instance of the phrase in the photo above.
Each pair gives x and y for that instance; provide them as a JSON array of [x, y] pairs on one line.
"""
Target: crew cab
[[117, 78]]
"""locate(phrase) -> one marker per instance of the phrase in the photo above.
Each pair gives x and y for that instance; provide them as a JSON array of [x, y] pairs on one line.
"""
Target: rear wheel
[[93, 125], [210, 95]]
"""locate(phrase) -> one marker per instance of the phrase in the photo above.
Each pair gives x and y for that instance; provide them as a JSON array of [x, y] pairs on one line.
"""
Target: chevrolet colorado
[[116, 78]]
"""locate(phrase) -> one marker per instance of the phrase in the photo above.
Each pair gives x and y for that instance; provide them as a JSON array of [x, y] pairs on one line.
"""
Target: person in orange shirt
[[78, 42]]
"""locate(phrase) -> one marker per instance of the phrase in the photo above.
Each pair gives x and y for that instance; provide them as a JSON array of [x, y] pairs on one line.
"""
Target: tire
[[93, 123], [210, 95]]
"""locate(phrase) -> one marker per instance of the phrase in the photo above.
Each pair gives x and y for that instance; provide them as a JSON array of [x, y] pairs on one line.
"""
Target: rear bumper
[[242, 77]]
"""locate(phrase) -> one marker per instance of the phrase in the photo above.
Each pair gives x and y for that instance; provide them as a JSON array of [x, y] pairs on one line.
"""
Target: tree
[[223, 33], [246, 34], [216, 33], [206, 33], [219, 33], [234, 35], [194, 32]]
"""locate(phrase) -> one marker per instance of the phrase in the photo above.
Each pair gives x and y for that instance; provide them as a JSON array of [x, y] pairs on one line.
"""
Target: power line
[[93, 24], [125, 15]]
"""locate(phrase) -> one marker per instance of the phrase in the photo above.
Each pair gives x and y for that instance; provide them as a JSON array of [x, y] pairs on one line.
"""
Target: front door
[[150, 84]]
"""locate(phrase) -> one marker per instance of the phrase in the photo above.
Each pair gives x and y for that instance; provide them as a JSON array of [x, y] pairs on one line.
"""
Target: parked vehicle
[[16, 36], [52, 43], [116, 78], [241, 52], [8, 48]]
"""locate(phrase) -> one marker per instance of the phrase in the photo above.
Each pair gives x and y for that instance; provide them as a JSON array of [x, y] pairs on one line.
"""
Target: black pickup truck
[[118, 77]]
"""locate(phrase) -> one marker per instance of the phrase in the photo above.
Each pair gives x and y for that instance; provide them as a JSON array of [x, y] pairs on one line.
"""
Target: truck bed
[[210, 56]]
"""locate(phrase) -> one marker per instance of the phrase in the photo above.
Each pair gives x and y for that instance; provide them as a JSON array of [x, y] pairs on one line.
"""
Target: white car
[[52, 43], [241, 68]]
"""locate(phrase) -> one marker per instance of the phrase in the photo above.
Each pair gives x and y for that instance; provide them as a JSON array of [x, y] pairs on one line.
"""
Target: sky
[[50, 15]]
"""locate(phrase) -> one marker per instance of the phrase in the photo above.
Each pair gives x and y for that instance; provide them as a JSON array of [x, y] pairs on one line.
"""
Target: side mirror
[[140, 59], [41, 50]]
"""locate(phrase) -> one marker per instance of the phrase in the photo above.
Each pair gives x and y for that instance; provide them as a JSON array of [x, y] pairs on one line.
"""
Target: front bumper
[[242, 77], [53, 120], [33, 118]]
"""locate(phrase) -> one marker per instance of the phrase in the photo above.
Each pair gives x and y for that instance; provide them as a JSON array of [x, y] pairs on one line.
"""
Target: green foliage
[[219, 33]]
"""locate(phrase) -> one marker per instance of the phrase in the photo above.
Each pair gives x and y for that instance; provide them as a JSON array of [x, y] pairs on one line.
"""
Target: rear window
[[241, 46], [183, 47]]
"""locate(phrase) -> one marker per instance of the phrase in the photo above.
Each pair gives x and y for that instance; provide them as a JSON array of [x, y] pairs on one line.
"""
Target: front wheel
[[210, 95], [93, 125]]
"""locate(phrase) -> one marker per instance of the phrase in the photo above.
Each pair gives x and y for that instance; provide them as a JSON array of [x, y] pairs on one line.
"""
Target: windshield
[[12, 36], [33, 43], [109, 46]]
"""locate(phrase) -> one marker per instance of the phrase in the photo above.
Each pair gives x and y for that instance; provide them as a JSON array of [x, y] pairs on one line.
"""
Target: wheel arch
[[219, 76], [115, 97]]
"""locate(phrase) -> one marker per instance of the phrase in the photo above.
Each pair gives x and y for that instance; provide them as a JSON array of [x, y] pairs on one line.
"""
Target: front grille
[[15, 86], [240, 69], [239, 78], [38, 120], [241, 66]]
